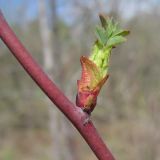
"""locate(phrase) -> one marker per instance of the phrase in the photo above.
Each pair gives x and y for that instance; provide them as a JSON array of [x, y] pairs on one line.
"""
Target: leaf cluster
[[110, 34]]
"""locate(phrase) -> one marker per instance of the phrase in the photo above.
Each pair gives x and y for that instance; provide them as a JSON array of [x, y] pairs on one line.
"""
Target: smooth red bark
[[73, 113]]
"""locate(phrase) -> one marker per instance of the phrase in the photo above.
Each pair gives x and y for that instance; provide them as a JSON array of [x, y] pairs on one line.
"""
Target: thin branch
[[73, 113]]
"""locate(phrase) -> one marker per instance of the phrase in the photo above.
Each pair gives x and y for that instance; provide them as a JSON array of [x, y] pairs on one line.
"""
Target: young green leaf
[[101, 35], [103, 21], [112, 42], [122, 33]]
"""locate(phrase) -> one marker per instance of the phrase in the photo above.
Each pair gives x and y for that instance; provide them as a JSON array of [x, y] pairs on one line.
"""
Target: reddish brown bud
[[89, 85]]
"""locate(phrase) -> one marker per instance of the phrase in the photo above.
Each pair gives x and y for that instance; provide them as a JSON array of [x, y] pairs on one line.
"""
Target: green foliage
[[109, 35]]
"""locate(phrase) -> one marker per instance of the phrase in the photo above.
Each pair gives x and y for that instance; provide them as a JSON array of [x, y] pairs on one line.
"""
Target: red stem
[[73, 113]]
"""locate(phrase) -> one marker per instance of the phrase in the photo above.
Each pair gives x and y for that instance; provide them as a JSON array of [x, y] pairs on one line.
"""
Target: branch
[[73, 113]]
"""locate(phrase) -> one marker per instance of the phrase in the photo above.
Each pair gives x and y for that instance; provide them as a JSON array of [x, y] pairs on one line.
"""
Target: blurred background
[[57, 33]]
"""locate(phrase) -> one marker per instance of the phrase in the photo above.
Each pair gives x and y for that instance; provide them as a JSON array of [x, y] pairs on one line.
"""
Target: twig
[[73, 113]]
